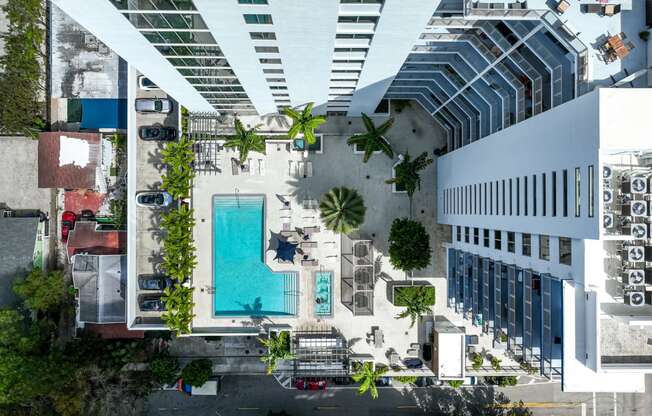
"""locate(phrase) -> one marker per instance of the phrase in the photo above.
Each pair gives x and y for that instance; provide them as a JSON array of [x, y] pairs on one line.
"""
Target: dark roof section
[[85, 239], [101, 282], [114, 331], [69, 176], [17, 240]]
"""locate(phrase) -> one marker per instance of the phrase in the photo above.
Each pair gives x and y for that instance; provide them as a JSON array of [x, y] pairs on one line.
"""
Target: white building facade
[[542, 224]]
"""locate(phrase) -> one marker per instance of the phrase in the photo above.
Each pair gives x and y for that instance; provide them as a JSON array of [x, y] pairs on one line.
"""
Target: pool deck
[[336, 166]]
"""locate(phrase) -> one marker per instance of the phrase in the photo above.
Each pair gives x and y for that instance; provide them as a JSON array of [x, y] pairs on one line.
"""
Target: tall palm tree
[[278, 348], [178, 158], [407, 174], [374, 139], [246, 141], [417, 301], [342, 210], [304, 122], [367, 376]]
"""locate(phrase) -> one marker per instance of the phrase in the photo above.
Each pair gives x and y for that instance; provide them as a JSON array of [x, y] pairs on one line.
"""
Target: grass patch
[[410, 291]]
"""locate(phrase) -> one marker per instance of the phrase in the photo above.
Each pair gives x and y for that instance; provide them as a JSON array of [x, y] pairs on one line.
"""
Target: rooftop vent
[[635, 298], [634, 277], [607, 173]]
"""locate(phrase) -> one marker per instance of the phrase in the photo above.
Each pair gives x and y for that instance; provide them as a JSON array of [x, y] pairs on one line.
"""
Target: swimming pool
[[244, 285], [323, 293]]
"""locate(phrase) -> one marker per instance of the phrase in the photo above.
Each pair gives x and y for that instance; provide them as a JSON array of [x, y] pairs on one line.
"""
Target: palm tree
[[246, 141], [407, 174], [374, 139], [417, 301], [304, 122], [366, 375], [178, 158], [278, 348], [342, 210]]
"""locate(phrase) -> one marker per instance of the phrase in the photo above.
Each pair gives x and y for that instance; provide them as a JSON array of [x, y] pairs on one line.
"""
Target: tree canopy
[[42, 291], [409, 245]]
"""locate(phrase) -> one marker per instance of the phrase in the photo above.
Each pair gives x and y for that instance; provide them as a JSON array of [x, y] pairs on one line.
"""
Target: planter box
[[397, 288]]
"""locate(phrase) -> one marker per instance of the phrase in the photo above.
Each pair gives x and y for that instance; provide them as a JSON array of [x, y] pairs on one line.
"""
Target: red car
[[68, 219], [303, 384]]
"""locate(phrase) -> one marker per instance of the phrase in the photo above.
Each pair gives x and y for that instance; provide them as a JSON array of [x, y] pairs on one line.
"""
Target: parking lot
[[148, 173]]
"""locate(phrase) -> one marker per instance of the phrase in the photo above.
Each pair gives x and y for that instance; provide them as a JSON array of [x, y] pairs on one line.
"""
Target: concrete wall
[[104, 21], [401, 22]]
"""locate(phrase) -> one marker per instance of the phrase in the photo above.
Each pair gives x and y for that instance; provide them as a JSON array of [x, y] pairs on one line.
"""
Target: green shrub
[[403, 294], [478, 360], [409, 245], [165, 369], [197, 372], [495, 363], [406, 379], [43, 291], [644, 35], [455, 383], [503, 381]]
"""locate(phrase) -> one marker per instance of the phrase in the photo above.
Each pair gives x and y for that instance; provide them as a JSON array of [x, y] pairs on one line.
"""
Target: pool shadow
[[255, 309]]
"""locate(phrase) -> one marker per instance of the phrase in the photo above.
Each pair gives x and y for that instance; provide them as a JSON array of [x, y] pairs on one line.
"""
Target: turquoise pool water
[[244, 285], [323, 292]]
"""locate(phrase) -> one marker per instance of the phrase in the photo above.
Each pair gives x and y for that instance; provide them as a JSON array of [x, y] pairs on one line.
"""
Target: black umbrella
[[286, 251]]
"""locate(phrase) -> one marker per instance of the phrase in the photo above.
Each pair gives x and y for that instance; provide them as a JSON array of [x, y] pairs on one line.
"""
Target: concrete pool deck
[[414, 131]]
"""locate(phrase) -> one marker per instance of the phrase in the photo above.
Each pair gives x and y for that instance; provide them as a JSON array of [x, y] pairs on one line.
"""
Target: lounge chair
[[308, 244], [311, 230], [308, 170], [292, 171], [262, 169], [310, 263]]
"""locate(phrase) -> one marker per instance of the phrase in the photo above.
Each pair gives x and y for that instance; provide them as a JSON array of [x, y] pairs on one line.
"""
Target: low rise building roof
[[17, 240], [68, 160], [101, 281]]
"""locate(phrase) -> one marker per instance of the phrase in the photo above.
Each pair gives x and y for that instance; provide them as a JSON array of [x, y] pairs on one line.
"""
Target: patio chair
[[630, 45], [311, 230], [622, 35], [310, 263], [562, 6]]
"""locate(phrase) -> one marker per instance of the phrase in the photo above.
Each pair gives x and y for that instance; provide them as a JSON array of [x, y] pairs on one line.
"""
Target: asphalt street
[[256, 395]]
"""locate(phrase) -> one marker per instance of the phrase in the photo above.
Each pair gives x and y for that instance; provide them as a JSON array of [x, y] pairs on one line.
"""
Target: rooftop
[[68, 160], [17, 241]]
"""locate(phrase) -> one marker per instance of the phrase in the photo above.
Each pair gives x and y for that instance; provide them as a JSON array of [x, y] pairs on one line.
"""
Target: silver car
[[153, 105]]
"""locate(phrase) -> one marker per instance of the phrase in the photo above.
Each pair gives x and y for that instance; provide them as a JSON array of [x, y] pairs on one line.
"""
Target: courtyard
[[292, 183]]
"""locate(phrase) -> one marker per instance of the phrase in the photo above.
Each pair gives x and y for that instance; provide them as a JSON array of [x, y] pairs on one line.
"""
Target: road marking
[[615, 405], [594, 409]]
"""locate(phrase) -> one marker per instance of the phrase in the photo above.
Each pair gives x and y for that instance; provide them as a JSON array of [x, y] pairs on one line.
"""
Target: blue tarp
[[104, 113]]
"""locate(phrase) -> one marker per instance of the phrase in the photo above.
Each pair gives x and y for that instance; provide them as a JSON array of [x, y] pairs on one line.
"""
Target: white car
[[153, 105], [153, 199], [145, 83]]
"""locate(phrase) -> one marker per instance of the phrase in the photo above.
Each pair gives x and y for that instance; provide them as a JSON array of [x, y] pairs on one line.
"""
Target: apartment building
[[544, 216]]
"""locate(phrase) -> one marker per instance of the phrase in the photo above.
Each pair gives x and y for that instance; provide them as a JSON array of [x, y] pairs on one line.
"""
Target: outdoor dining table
[[616, 44], [379, 338]]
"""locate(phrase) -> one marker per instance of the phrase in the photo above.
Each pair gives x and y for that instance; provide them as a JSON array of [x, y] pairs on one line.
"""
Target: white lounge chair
[[292, 171], [308, 170], [251, 166], [261, 167], [300, 168]]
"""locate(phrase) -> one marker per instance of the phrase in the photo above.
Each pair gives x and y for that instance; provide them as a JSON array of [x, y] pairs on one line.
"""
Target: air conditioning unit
[[635, 253], [607, 173], [635, 185], [640, 209], [634, 277], [608, 220], [639, 231], [607, 196], [635, 298]]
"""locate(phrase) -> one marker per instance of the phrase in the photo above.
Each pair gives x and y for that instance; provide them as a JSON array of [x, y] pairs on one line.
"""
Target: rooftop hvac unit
[[640, 209], [607, 173], [635, 185], [635, 253], [639, 231], [608, 220], [607, 196], [634, 277], [635, 298]]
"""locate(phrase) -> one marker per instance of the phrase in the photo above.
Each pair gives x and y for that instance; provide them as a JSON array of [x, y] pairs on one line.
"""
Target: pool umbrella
[[286, 251]]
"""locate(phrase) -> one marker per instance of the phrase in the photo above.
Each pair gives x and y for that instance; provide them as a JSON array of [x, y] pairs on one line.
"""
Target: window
[[510, 197], [258, 19], [476, 235], [485, 199], [578, 179], [275, 79], [544, 188], [459, 233], [554, 194], [511, 242], [266, 49], [591, 192], [527, 245], [491, 198], [525, 195], [269, 60], [503, 196], [497, 240], [534, 195], [357, 19], [354, 36], [497, 192], [486, 238], [272, 70], [564, 185], [466, 234], [518, 196], [544, 247], [252, 1], [278, 87], [565, 254], [262, 35]]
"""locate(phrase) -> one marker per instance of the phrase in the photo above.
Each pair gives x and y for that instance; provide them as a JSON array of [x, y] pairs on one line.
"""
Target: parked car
[[154, 282], [153, 105], [342, 381], [146, 83], [68, 220], [87, 215], [303, 384], [470, 381], [157, 132], [413, 362], [427, 382], [106, 227], [384, 381], [151, 303], [153, 199]]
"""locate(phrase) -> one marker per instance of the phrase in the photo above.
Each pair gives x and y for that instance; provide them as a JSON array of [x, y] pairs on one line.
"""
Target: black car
[[151, 303], [156, 132], [87, 215], [413, 363], [342, 381], [154, 282]]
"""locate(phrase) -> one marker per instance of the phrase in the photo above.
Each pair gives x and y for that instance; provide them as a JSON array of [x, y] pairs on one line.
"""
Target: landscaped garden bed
[[400, 293]]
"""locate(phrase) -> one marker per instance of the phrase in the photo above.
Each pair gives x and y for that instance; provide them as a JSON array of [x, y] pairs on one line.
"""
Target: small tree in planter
[[367, 376], [278, 348], [455, 383], [418, 301], [197, 372], [409, 245], [495, 363], [165, 369], [477, 360]]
